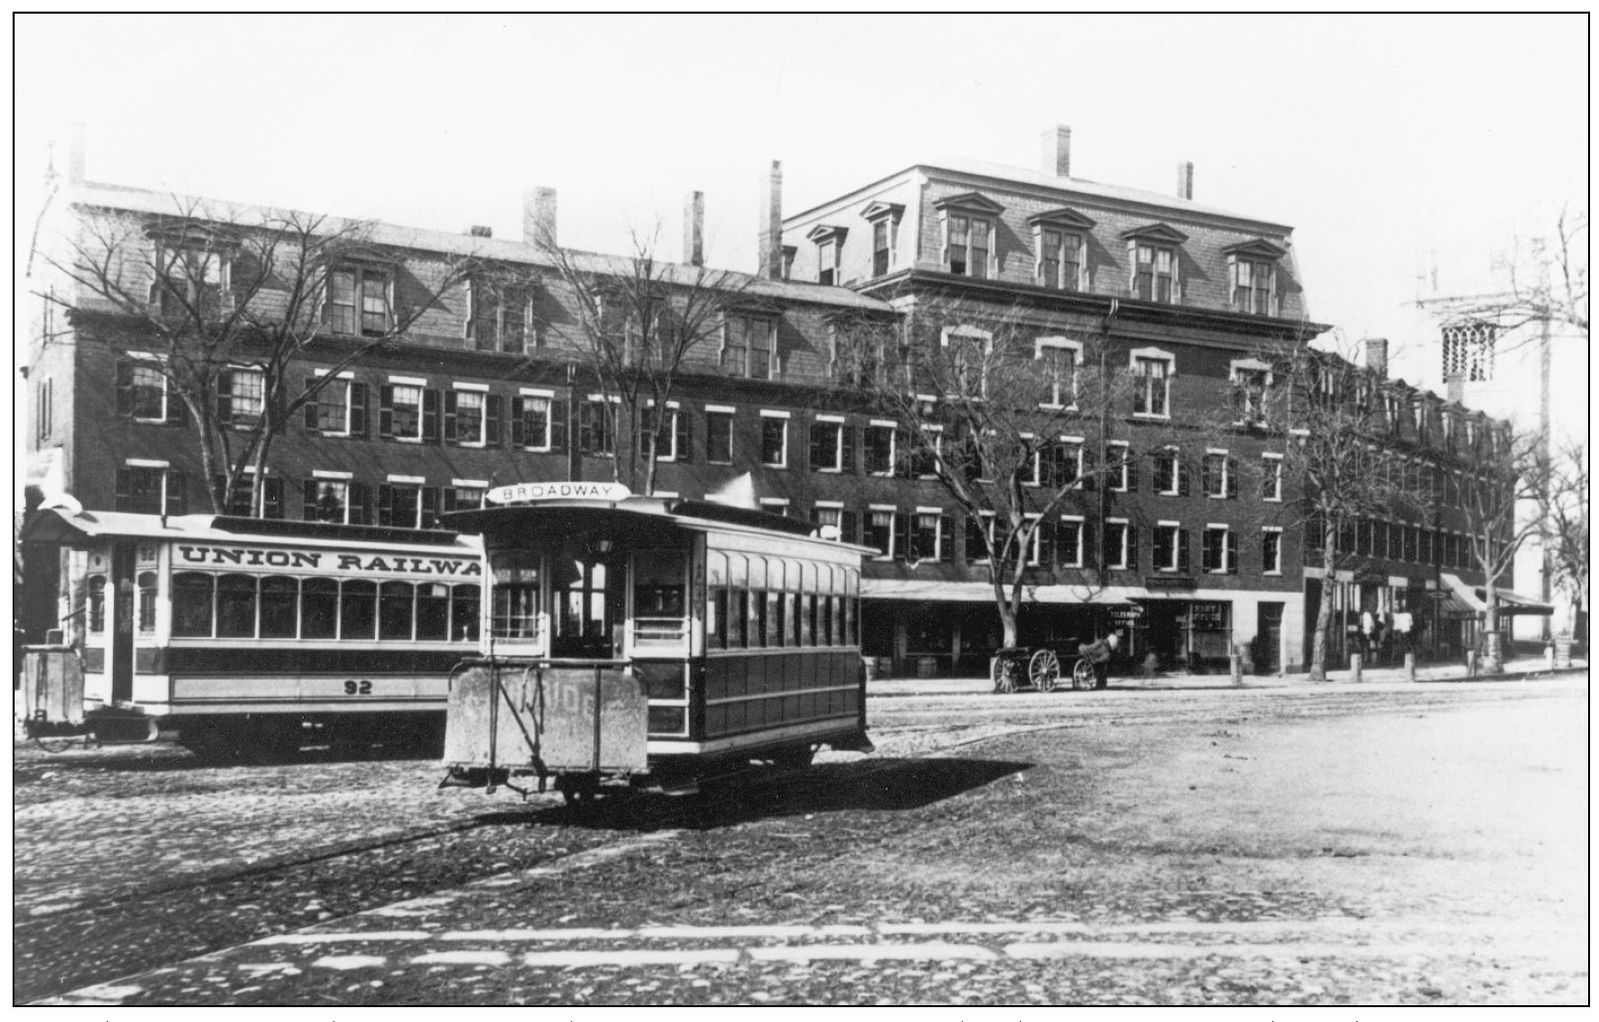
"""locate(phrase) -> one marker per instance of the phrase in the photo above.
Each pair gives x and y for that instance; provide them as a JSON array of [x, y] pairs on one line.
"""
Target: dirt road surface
[[1421, 845]]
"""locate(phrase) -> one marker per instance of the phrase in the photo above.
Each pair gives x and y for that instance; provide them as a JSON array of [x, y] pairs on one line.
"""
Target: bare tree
[[224, 301], [641, 321], [1566, 515], [1014, 432], [1508, 475], [1339, 463]]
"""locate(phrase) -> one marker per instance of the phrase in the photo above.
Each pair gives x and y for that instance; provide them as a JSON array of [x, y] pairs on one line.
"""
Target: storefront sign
[[1208, 615], [532, 492], [1169, 582], [321, 561]]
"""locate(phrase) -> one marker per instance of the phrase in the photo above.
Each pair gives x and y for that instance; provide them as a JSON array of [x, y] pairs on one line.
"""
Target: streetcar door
[[124, 591], [590, 602]]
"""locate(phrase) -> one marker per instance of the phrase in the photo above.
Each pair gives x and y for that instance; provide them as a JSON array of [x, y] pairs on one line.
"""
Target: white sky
[[1382, 140]]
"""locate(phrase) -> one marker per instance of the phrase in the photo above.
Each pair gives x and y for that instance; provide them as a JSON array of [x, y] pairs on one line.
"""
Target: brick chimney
[[1185, 180], [1376, 355], [538, 217], [769, 245], [1057, 151], [694, 229]]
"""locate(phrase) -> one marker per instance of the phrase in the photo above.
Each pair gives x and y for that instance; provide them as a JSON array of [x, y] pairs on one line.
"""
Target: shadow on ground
[[881, 784]]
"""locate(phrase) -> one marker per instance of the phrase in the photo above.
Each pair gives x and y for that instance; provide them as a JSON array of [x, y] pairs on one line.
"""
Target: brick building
[[1192, 551]]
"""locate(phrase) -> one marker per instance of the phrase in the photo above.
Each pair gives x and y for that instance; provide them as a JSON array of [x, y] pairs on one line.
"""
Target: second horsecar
[[652, 641]]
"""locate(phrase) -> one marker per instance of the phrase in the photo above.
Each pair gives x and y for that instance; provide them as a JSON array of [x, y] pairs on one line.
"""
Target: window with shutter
[[719, 438], [142, 393]]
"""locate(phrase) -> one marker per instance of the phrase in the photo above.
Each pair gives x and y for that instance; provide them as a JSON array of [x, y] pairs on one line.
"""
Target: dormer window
[[884, 218], [1153, 268], [1060, 241], [829, 242], [497, 314], [359, 301], [969, 235], [1252, 273]]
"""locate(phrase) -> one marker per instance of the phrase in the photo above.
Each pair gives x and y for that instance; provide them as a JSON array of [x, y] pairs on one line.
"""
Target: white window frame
[[1118, 484], [1068, 236], [481, 391], [1235, 369], [1138, 355], [324, 477], [1222, 458], [1237, 264], [346, 380], [990, 262], [235, 417], [772, 505], [893, 529], [893, 447], [673, 410], [830, 505], [1119, 562], [414, 483], [731, 413], [1272, 466], [548, 397], [939, 539], [836, 421], [1054, 343], [1137, 247], [767, 413], [1266, 569], [1176, 553], [1033, 539], [965, 332], [773, 370], [1175, 454], [938, 449], [142, 360], [1079, 521], [420, 385], [1227, 540], [986, 524]]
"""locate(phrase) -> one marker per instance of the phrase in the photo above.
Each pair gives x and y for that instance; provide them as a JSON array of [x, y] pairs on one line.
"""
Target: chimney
[[480, 231], [1377, 355], [1457, 388], [694, 229], [1058, 151], [1185, 180], [538, 217], [769, 245], [75, 153]]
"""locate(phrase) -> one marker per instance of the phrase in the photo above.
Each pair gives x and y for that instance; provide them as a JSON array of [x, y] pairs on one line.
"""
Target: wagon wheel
[[1005, 676], [1083, 674], [1043, 670]]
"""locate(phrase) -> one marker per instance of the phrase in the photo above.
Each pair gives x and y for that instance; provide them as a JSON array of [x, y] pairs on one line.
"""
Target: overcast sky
[[1388, 143]]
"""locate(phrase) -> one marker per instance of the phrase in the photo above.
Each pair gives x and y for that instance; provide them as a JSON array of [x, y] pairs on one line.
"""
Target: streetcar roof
[[643, 518], [60, 525]]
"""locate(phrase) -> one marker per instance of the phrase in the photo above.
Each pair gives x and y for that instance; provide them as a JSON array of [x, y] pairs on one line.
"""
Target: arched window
[[396, 607], [466, 603], [147, 584], [358, 610], [319, 609], [236, 606], [95, 599], [191, 603], [280, 598], [433, 611]]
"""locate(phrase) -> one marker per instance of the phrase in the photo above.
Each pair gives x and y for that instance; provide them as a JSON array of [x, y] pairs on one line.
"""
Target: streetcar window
[[516, 595], [825, 633], [658, 584], [96, 600], [774, 620], [191, 603], [465, 606], [236, 607], [716, 619], [147, 601], [396, 605], [319, 609], [358, 610], [279, 605], [755, 635], [851, 622], [807, 615], [432, 611]]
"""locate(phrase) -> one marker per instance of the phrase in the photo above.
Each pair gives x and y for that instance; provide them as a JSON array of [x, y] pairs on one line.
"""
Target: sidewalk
[[1526, 668]]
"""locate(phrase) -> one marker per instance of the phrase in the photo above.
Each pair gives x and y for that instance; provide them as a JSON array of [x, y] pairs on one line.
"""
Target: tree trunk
[[1492, 655], [1318, 642]]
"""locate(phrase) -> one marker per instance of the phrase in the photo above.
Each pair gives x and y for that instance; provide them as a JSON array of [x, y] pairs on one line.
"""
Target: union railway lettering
[[389, 564]]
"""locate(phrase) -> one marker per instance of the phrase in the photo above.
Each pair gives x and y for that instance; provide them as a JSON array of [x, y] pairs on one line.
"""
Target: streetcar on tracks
[[651, 641], [250, 636]]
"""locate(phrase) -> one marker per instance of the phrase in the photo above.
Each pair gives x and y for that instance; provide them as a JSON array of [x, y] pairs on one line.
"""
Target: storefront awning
[[982, 592], [1475, 598]]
